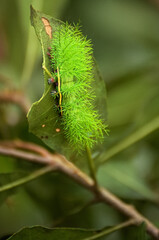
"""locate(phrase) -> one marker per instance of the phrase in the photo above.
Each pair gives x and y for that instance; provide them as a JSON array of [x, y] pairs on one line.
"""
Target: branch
[[26, 146], [61, 164]]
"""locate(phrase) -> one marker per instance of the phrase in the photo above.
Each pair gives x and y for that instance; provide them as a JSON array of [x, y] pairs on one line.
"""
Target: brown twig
[[26, 146], [61, 164], [16, 97]]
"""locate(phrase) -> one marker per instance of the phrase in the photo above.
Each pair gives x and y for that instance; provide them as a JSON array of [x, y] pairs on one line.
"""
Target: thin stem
[[133, 138], [26, 146], [91, 165], [27, 179], [110, 230]]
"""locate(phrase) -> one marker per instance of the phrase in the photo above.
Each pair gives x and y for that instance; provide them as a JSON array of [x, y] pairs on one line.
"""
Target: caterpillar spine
[[72, 64]]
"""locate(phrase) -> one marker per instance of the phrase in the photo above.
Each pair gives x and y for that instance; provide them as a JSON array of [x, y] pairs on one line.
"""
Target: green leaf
[[141, 232], [42, 233], [123, 179], [6, 179], [62, 197], [43, 119], [15, 183], [10, 181]]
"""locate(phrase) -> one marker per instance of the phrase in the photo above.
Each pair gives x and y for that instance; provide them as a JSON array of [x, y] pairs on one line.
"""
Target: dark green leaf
[[141, 232], [6, 178], [60, 197], [41, 233], [123, 179], [5, 237]]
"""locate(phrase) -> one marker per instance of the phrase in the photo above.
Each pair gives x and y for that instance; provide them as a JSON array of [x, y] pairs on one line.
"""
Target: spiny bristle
[[71, 53]]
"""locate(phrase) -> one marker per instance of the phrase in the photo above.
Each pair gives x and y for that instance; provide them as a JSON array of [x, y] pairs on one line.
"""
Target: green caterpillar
[[72, 66]]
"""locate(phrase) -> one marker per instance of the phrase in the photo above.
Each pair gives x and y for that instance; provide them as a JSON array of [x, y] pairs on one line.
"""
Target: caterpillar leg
[[50, 80], [54, 93], [48, 54]]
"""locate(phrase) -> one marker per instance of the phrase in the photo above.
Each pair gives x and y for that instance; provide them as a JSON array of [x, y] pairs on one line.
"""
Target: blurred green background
[[125, 36]]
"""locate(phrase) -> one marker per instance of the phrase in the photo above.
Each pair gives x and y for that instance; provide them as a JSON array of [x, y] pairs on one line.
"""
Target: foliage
[[125, 39], [45, 122], [72, 62]]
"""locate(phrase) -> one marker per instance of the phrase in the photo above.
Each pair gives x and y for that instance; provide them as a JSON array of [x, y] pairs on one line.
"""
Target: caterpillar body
[[72, 65]]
